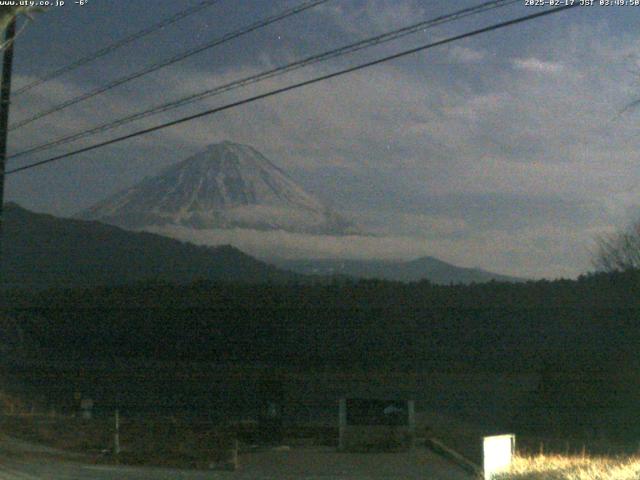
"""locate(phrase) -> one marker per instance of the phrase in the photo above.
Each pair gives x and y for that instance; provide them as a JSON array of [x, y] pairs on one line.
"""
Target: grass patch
[[158, 441], [561, 467], [69, 434]]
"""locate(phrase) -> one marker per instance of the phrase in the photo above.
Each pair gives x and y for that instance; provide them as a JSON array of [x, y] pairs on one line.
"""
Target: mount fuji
[[226, 186]]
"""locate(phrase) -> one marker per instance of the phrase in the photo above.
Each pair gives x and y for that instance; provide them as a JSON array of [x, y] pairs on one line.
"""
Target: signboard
[[497, 452], [377, 412]]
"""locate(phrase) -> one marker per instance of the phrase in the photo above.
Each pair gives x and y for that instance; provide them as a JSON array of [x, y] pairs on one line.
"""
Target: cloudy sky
[[506, 151]]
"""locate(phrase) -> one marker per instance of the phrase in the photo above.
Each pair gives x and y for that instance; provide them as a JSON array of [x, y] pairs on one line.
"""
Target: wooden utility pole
[[5, 96]]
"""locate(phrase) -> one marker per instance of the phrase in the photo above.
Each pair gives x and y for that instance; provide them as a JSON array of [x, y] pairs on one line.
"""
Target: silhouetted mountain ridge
[[423, 268], [43, 251]]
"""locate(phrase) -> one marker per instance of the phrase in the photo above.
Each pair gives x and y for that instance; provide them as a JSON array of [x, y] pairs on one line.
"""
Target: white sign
[[497, 453]]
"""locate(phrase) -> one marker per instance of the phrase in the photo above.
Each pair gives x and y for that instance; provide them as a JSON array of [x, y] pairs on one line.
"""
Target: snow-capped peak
[[227, 185]]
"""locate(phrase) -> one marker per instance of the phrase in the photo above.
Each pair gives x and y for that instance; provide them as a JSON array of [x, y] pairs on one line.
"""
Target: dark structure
[[373, 424]]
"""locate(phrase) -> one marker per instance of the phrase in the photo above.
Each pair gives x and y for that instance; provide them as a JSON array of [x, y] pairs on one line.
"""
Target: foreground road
[[300, 464]]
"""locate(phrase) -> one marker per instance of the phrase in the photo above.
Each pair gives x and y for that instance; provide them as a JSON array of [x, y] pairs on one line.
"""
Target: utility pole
[[116, 437], [5, 95]]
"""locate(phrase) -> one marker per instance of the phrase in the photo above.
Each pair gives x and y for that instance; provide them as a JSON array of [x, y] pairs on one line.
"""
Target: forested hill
[[588, 323], [42, 251], [579, 336]]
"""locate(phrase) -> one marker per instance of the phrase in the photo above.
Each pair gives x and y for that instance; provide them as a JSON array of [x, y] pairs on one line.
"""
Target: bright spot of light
[[497, 452]]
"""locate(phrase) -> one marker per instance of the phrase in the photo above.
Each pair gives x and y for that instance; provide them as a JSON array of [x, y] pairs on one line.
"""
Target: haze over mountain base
[[290, 245], [393, 258]]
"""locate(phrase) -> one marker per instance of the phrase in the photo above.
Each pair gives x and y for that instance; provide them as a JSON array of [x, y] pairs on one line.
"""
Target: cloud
[[536, 65], [283, 244], [466, 54], [373, 16], [535, 252]]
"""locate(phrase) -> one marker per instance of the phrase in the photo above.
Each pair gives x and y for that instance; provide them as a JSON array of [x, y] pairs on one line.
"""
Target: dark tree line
[[589, 322], [581, 335]]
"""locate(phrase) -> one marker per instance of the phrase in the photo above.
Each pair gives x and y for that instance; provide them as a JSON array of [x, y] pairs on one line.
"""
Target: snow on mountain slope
[[228, 185]]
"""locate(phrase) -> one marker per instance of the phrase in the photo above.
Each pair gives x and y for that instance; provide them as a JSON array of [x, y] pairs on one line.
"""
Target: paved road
[[300, 464]]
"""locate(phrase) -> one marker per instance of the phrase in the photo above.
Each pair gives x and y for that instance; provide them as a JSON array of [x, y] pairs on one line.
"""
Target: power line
[[176, 58], [350, 48], [118, 44], [297, 85]]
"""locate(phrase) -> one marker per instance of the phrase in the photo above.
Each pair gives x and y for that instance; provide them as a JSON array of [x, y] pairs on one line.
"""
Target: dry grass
[[158, 441], [561, 467], [71, 435]]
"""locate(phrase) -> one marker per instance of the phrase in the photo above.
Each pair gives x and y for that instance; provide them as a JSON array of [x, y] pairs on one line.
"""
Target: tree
[[619, 251]]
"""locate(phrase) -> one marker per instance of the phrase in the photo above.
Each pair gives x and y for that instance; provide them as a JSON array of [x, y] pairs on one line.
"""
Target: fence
[[165, 441]]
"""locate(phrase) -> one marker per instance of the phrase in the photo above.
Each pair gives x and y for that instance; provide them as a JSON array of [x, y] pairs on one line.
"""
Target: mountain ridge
[[422, 268], [227, 185], [43, 251]]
